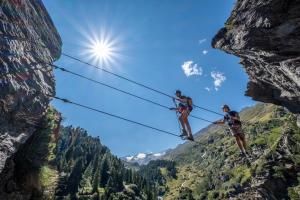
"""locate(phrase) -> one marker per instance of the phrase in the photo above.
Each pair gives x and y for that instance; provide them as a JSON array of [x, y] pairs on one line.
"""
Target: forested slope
[[87, 170]]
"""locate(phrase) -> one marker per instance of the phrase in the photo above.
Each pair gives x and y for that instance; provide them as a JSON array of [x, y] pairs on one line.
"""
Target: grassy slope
[[213, 170]]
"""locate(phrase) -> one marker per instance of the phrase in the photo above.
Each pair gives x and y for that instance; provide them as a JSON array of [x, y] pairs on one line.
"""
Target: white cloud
[[141, 156], [205, 52], [207, 88], [202, 40], [190, 68], [219, 78]]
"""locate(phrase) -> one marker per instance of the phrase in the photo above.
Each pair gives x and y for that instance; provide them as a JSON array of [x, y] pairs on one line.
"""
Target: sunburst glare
[[102, 49]]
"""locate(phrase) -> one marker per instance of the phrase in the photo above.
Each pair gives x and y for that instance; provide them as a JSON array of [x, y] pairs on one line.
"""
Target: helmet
[[178, 92], [225, 106]]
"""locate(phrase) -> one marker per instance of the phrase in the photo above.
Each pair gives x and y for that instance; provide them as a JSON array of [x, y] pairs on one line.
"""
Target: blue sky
[[163, 44]]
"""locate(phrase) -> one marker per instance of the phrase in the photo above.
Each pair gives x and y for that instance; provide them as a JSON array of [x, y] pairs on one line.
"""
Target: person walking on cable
[[232, 119], [184, 107]]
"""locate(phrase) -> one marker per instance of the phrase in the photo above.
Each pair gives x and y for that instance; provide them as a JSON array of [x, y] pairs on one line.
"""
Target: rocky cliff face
[[265, 35], [28, 40]]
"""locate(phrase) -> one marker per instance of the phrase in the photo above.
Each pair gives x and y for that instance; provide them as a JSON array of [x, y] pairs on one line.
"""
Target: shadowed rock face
[[265, 34], [28, 40]]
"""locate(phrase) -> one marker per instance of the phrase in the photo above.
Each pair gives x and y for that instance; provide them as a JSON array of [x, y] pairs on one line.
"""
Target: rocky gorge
[[264, 34]]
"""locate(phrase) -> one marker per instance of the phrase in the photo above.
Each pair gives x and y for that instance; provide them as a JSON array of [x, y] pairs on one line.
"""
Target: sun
[[102, 49]]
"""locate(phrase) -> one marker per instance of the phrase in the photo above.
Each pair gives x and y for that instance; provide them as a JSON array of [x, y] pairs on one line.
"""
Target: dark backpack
[[190, 101], [232, 122]]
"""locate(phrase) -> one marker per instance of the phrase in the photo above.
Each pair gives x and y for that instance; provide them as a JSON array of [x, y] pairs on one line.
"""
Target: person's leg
[[189, 128], [181, 119], [241, 136], [239, 143], [187, 124], [186, 121], [244, 143]]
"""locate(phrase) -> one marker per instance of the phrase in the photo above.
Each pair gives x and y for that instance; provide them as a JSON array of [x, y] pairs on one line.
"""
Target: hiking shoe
[[183, 133], [246, 154], [190, 138], [242, 154], [184, 137]]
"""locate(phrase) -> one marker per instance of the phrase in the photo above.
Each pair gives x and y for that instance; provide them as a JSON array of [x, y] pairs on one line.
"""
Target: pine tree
[[104, 170], [75, 176], [86, 182], [117, 181], [96, 181], [96, 162]]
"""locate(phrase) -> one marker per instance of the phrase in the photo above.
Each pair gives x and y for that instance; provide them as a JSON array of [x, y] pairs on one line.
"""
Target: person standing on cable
[[184, 107], [232, 119]]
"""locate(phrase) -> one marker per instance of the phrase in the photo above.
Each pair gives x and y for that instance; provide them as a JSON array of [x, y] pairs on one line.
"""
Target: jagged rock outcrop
[[28, 41], [265, 34]]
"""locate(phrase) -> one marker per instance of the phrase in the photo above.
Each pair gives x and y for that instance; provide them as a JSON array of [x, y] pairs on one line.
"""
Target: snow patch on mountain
[[143, 158]]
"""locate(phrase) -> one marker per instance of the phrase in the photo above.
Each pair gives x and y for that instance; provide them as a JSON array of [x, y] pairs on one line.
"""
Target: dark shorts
[[237, 131], [185, 108]]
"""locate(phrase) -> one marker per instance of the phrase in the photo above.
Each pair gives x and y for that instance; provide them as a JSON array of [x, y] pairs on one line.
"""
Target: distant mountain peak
[[143, 158]]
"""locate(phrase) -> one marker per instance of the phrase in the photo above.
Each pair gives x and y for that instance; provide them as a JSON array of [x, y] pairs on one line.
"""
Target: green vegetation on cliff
[[213, 169]]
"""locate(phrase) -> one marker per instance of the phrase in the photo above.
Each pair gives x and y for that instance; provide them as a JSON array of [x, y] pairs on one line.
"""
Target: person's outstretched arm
[[221, 121]]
